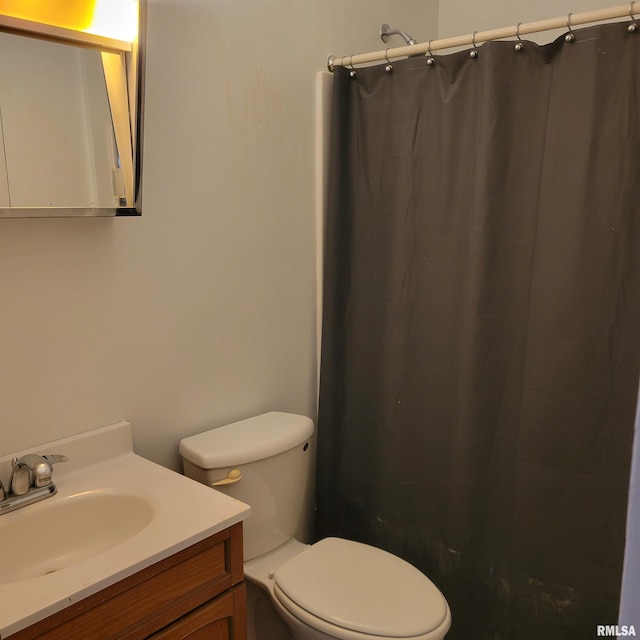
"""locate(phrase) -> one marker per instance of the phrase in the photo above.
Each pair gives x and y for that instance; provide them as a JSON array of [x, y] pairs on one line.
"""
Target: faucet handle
[[41, 467], [20, 480], [55, 457]]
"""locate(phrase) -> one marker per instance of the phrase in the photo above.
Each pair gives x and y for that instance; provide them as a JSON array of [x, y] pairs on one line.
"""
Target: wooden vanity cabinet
[[196, 594]]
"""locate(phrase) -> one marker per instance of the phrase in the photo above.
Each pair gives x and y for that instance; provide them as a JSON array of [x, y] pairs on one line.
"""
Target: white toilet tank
[[272, 453]]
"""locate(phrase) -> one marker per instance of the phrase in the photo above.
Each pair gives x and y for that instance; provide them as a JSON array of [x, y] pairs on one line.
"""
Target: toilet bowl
[[335, 589], [345, 590]]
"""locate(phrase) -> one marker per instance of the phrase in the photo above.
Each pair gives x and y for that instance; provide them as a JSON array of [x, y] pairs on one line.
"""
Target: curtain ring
[[389, 67], [519, 46], [570, 37], [633, 26], [430, 59], [474, 52], [352, 73]]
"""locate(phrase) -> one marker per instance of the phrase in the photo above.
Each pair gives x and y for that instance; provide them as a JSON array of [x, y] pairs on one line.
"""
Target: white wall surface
[[202, 311]]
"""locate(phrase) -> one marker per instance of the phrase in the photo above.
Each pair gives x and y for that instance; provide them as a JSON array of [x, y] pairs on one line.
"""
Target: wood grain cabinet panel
[[192, 586], [223, 618]]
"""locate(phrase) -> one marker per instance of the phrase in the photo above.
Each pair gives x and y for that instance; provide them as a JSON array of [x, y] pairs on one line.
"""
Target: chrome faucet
[[30, 481]]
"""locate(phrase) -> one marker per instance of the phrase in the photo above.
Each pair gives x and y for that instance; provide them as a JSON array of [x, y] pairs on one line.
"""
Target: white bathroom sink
[[114, 514], [61, 534]]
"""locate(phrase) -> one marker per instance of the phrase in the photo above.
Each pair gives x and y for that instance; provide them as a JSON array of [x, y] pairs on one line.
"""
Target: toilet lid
[[362, 588]]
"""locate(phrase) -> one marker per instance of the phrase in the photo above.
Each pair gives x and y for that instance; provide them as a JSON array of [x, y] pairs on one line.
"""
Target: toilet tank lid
[[246, 441]]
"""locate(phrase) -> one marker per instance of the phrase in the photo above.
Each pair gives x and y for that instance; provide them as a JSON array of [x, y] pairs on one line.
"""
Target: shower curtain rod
[[564, 22]]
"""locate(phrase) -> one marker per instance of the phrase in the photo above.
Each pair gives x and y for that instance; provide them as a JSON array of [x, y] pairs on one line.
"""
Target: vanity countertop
[[179, 512]]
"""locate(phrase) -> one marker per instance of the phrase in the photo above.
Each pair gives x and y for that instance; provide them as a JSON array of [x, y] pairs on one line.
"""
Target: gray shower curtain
[[481, 326]]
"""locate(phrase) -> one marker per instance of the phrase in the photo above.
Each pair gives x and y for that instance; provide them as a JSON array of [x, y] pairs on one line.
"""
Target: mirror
[[70, 121]]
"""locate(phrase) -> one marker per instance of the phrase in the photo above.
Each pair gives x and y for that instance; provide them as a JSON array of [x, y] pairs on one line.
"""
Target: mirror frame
[[135, 62]]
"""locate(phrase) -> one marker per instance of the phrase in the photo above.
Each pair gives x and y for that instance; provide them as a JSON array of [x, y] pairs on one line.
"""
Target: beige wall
[[203, 310]]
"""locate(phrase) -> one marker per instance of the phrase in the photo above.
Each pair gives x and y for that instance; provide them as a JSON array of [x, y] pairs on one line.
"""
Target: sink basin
[[49, 537]]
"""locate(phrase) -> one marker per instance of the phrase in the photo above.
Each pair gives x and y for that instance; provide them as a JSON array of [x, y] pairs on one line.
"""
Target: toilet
[[335, 589]]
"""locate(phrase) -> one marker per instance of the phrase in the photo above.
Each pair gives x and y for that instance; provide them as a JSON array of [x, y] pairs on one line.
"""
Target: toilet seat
[[354, 591]]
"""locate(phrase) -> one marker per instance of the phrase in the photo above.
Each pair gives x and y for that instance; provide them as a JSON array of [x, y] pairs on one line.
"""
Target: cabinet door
[[223, 618]]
